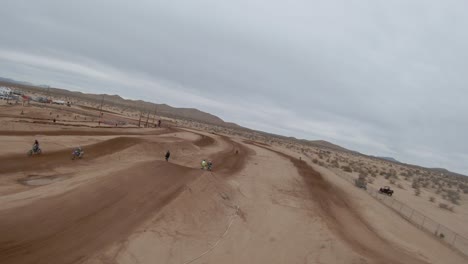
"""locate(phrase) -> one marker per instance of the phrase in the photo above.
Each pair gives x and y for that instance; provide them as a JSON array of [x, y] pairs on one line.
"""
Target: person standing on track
[[168, 154]]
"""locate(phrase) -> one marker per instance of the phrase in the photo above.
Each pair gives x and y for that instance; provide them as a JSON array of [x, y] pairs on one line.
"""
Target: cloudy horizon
[[379, 77]]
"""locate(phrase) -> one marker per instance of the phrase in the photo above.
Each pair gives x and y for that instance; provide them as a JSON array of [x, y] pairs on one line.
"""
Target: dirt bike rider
[[35, 146], [210, 165], [78, 151], [203, 164]]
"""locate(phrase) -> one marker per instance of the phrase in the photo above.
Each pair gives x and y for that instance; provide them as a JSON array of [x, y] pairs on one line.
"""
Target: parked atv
[[34, 151], [386, 190]]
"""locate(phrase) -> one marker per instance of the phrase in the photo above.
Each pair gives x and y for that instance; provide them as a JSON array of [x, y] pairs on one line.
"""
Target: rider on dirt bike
[[35, 146], [77, 153]]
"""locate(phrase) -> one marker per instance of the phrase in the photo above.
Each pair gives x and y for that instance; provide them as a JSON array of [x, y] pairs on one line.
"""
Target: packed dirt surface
[[123, 203]]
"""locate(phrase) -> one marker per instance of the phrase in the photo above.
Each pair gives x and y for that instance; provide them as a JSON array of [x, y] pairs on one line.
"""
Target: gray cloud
[[380, 77]]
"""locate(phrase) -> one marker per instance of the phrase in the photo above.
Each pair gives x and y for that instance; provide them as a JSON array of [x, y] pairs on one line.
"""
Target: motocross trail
[[70, 227], [49, 160], [343, 219]]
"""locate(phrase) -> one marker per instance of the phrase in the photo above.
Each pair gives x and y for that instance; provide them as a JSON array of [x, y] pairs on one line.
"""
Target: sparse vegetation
[[346, 168], [417, 192], [432, 199], [446, 207]]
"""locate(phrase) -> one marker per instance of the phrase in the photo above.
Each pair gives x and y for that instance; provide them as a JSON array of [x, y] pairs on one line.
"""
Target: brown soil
[[69, 227]]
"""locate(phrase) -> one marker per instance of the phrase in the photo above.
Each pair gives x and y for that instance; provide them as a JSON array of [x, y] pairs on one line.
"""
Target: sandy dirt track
[[259, 205], [343, 218], [68, 227], [48, 160]]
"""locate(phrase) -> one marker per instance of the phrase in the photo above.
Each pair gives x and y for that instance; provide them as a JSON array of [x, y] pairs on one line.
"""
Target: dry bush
[[335, 163], [346, 168], [392, 181], [417, 192], [446, 207], [453, 196], [415, 184], [400, 186], [464, 188], [370, 180], [432, 199]]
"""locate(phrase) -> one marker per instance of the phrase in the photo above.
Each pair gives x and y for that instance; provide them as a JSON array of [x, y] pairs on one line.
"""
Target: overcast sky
[[387, 78]]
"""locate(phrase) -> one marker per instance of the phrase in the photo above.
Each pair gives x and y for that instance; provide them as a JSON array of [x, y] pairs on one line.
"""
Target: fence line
[[423, 222]]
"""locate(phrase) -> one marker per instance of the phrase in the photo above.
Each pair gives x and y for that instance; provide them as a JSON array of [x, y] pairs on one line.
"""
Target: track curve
[[69, 227]]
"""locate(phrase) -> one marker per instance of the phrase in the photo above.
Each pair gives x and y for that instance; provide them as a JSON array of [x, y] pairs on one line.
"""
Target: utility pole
[[100, 112], [154, 114], [139, 120], [102, 102], [147, 118]]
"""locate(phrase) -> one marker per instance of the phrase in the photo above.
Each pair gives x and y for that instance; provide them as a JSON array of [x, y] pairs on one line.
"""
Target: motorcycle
[[34, 151], [76, 154]]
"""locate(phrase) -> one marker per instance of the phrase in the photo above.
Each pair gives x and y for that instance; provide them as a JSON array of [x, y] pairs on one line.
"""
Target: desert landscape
[[267, 199]]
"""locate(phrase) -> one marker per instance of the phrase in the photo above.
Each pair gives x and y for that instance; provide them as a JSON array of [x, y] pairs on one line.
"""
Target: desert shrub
[[446, 207], [346, 168], [400, 186], [453, 196], [415, 184], [432, 199], [335, 164], [417, 192], [370, 180], [441, 235], [392, 181], [315, 161]]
